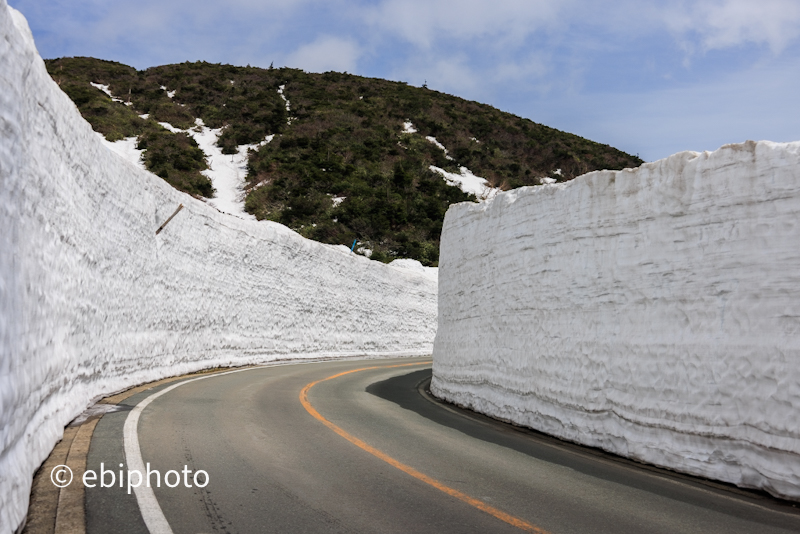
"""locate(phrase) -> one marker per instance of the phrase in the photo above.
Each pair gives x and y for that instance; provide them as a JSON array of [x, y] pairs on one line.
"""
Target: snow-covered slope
[[653, 312], [227, 172], [92, 300], [125, 148]]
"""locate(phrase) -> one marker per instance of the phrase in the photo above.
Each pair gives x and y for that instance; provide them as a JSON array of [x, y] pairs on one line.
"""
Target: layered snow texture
[[653, 312], [93, 301]]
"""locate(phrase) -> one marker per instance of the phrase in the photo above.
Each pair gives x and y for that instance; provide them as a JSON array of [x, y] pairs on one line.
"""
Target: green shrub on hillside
[[177, 159], [174, 157], [341, 140]]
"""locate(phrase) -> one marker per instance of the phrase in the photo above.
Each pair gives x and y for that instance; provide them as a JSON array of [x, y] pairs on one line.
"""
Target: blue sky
[[650, 78]]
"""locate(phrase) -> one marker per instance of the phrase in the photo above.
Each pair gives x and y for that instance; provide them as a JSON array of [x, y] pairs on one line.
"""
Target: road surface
[[370, 451]]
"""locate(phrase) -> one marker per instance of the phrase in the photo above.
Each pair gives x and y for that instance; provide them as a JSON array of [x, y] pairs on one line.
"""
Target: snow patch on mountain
[[465, 180], [289, 118], [226, 171], [170, 94], [433, 140], [103, 88], [107, 90], [468, 182]]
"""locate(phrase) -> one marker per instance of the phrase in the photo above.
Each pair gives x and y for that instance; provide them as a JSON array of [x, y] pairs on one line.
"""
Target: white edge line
[[151, 511], [148, 504]]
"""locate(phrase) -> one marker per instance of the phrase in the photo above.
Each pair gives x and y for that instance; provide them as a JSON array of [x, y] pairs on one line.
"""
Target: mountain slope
[[336, 157]]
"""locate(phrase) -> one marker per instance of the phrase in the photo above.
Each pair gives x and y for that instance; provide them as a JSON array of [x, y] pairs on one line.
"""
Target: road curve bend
[[360, 446]]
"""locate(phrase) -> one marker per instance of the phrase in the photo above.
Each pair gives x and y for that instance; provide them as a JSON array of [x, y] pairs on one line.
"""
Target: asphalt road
[[275, 467]]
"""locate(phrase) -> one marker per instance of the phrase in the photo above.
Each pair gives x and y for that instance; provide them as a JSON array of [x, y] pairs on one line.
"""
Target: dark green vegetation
[[174, 157], [341, 138]]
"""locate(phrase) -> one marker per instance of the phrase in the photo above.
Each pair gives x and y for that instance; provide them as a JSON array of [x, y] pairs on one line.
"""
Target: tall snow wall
[[93, 301], [650, 312]]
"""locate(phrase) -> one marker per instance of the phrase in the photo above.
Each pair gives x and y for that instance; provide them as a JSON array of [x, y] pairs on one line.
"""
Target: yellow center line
[[480, 505]]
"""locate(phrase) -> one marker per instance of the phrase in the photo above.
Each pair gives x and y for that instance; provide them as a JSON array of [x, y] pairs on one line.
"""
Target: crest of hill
[[340, 166]]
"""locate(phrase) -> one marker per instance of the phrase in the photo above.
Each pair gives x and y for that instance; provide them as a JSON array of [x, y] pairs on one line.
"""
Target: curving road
[[369, 451]]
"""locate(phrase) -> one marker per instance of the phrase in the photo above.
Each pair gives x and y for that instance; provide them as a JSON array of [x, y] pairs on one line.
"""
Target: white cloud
[[566, 63], [326, 53], [757, 103], [154, 32], [422, 22], [451, 75], [729, 23], [522, 69], [705, 24]]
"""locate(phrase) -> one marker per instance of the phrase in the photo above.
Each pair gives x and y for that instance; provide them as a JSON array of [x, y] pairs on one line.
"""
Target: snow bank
[[415, 265], [126, 148], [653, 312], [92, 301]]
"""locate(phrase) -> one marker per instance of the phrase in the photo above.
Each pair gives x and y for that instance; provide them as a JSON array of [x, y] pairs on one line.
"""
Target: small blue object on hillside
[[352, 248]]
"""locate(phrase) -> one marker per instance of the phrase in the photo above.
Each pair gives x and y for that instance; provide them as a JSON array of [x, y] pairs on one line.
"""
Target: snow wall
[[650, 312], [92, 301]]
